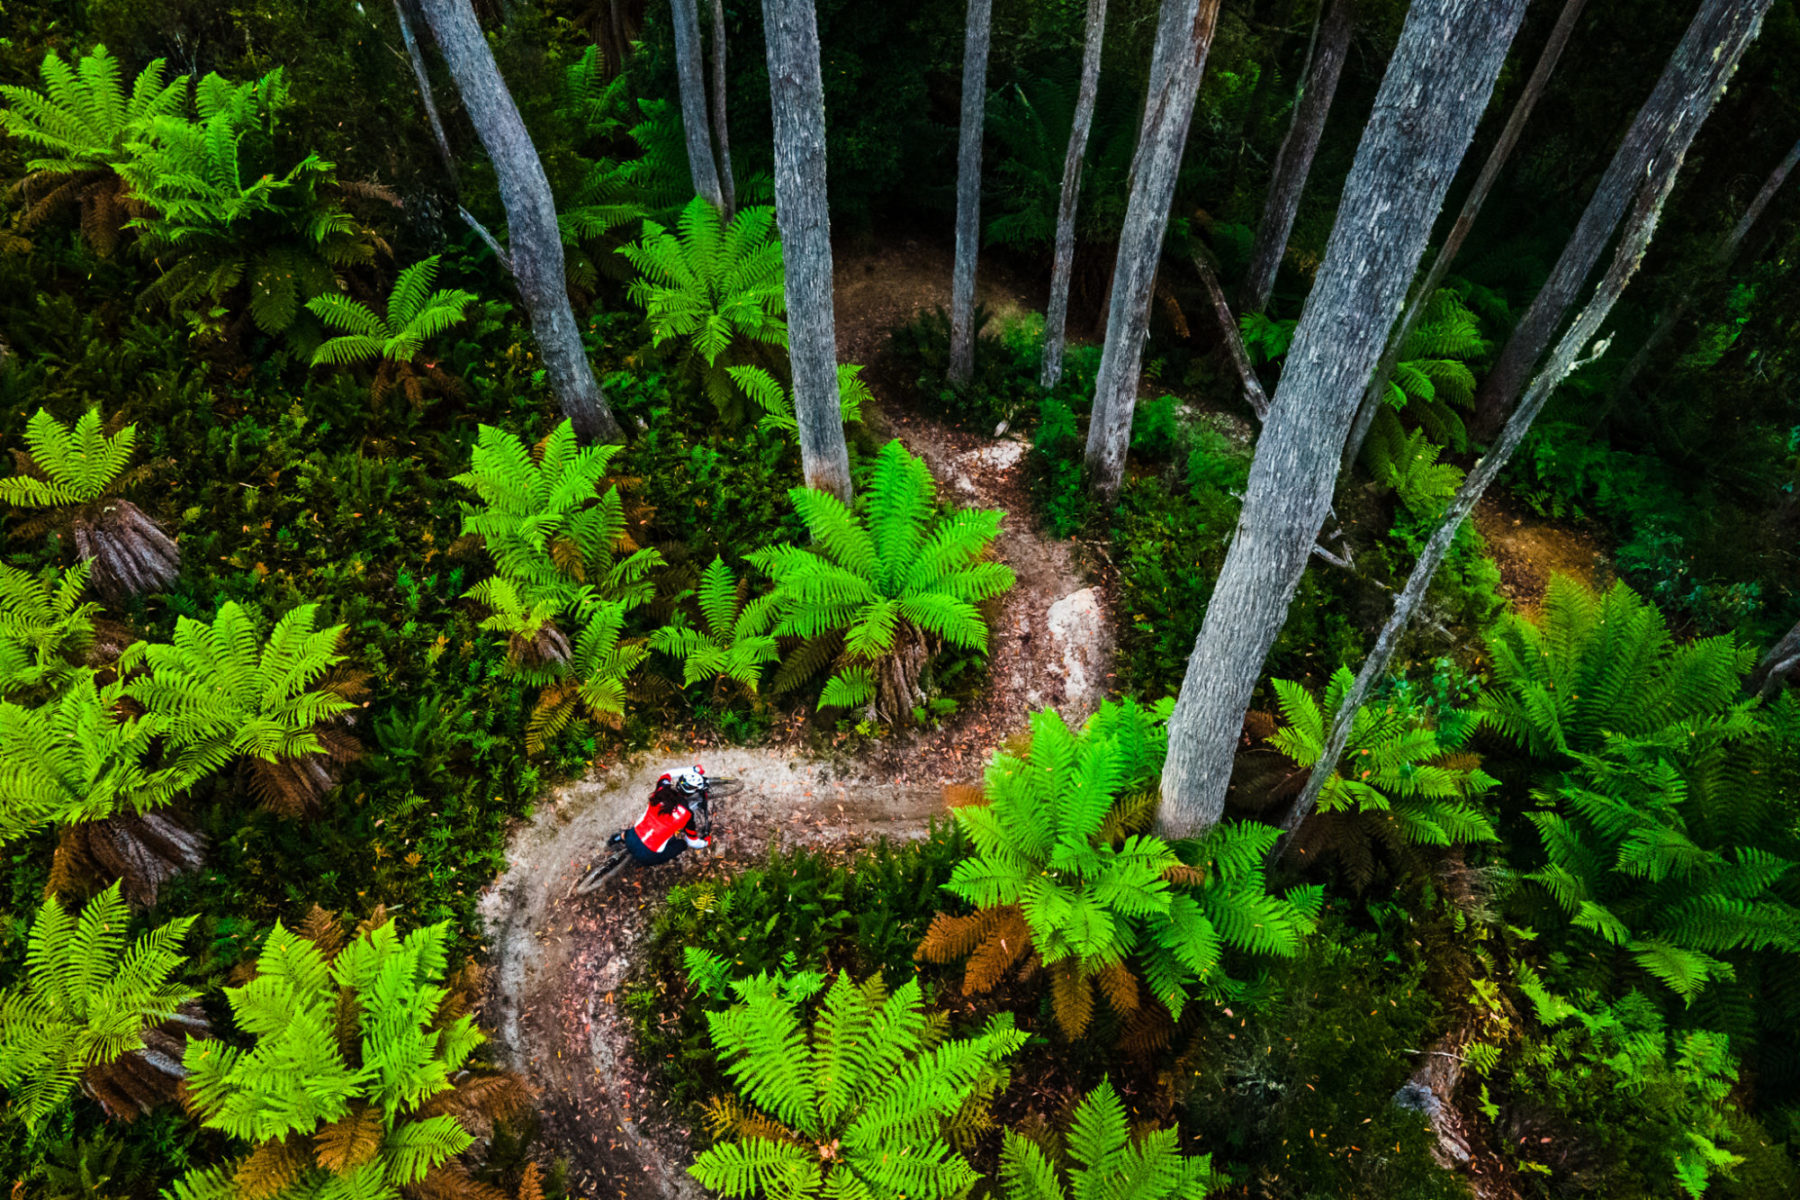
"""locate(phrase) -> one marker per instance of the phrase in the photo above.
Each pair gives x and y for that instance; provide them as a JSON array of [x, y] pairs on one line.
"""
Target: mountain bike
[[616, 862]]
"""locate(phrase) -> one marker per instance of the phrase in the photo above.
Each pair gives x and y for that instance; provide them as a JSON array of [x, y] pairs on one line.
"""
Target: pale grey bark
[[1663, 165], [797, 99], [968, 192], [721, 132], [1465, 220], [1718, 23], [1294, 161], [537, 250], [1234, 340], [690, 80], [1779, 667], [1183, 37], [1056, 318], [1722, 257], [1437, 84]]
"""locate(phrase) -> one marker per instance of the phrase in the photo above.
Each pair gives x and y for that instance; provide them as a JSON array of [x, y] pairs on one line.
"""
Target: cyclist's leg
[[648, 857]]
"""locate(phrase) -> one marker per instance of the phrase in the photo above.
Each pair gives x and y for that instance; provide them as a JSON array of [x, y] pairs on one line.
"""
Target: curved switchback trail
[[559, 964]]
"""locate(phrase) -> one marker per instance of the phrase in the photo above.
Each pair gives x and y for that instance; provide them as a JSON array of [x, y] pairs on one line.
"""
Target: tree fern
[[557, 544], [82, 127], [72, 464], [415, 314], [1433, 382], [1628, 866], [1032, 120], [222, 690], [1059, 874], [778, 406], [76, 759], [733, 639], [614, 193], [357, 1082], [856, 1107], [1408, 463], [715, 285], [1108, 1161], [1599, 665], [888, 576], [1405, 778], [85, 1001], [236, 232], [45, 629]]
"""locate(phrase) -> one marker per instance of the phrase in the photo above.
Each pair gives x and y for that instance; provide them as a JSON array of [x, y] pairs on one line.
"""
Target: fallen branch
[[1234, 340]]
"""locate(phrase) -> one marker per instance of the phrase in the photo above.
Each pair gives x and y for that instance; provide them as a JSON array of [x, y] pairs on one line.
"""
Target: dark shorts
[[648, 857]]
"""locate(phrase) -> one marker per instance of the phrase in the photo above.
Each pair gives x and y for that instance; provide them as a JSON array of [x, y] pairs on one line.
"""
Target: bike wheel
[[718, 789], [598, 876]]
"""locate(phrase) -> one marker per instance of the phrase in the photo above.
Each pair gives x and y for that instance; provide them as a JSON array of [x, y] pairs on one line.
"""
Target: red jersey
[[656, 827]]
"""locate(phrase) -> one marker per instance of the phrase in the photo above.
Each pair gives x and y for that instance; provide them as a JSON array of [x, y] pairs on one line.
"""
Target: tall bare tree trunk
[[968, 192], [690, 77], [1437, 84], [1056, 319], [1716, 24], [1663, 164], [1465, 220], [721, 132], [536, 245], [1294, 163], [1183, 36], [797, 99], [1779, 667], [1722, 257]]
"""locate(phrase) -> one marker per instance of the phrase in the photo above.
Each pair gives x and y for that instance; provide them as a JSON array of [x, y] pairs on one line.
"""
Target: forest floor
[[560, 965], [1529, 549]]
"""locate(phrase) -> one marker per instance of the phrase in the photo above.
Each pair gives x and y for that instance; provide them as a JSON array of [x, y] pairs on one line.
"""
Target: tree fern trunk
[[537, 252], [797, 98], [1056, 319], [968, 192], [1459, 232], [1294, 162], [721, 133], [1183, 36], [897, 689], [1696, 60], [1663, 166], [691, 82], [1442, 72]]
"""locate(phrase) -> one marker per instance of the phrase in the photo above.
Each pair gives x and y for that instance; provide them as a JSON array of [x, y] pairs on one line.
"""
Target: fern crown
[[894, 560], [1109, 1162], [79, 461], [733, 639], [85, 999], [415, 315], [856, 1108], [44, 627], [778, 406], [711, 282], [83, 118]]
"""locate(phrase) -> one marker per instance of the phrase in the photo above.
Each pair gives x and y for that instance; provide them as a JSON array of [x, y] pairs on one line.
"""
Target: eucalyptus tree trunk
[[1183, 36], [968, 192], [1437, 83], [1056, 319], [721, 132], [1778, 668], [1663, 165], [1717, 24], [1294, 162], [690, 78], [1722, 257], [536, 245], [797, 99], [1465, 220]]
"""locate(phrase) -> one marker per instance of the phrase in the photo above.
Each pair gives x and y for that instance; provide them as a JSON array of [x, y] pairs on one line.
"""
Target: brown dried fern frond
[[1120, 987], [477, 1101], [350, 1141], [1071, 997], [272, 1167], [963, 795], [1147, 1031], [1009, 939], [1182, 875], [726, 1117], [324, 929]]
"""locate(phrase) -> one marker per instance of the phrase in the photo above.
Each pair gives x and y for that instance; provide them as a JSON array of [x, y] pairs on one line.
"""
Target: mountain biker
[[667, 826]]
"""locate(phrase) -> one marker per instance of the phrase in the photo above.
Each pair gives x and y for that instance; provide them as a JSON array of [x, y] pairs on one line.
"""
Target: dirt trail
[[558, 964], [1529, 549]]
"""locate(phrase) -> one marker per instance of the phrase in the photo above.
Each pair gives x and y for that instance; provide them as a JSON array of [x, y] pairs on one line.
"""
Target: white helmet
[[692, 781]]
